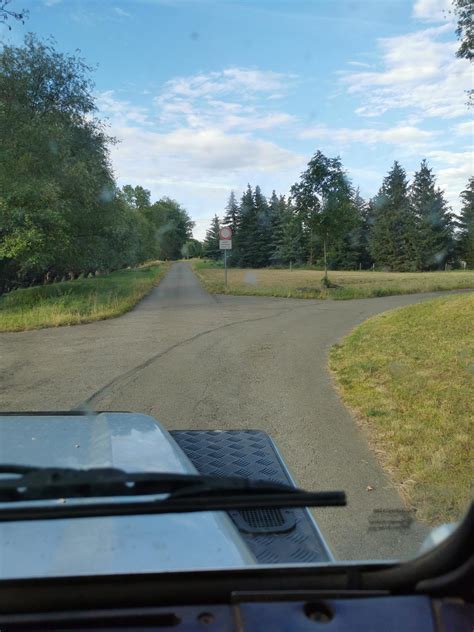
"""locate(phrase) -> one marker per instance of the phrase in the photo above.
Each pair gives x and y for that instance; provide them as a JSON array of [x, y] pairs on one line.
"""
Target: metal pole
[[225, 267]]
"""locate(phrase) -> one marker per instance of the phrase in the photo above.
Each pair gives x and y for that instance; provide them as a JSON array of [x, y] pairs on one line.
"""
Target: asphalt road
[[193, 360]]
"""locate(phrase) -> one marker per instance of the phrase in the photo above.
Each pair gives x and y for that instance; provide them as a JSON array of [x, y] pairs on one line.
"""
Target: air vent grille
[[264, 520]]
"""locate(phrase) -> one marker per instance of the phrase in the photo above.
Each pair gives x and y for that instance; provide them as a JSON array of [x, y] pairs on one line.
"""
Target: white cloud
[[432, 10], [359, 64], [121, 112], [465, 129], [120, 12], [186, 151], [453, 170], [409, 137], [198, 148], [242, 82], [419, 71], [233, 99]]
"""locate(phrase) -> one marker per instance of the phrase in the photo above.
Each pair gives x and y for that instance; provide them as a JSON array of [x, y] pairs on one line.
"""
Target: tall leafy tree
[[60, 209], [393, 242], [137, 197], [192, 248], [323, 197], [434, 222], [466, 225], [56, 184], [211, 242], [173, 227]]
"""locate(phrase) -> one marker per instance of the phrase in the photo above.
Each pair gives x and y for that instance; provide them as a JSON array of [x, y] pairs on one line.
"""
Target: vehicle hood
[[117, 544]]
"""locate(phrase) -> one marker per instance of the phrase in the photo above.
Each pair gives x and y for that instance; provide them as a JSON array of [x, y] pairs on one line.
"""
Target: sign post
[[225, 244]]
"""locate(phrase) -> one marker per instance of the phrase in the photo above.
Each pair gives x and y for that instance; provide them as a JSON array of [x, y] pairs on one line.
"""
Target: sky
[[207, 96]]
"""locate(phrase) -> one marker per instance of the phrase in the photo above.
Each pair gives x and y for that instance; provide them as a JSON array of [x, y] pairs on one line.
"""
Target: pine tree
[[263, 236], [434, 222], [291, 247], [232, 214], [276, 210], [211, 243], [466, 225], [365, 219], [247, 232], [393, 242], [345, 251]]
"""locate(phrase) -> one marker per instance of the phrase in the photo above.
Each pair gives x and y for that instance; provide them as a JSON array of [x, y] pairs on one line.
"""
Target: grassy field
[[307, 283], [80, 301], [409, 376]]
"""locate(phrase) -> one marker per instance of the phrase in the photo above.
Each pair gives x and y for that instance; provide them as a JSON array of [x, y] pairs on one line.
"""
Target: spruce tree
[[276, 210], [344, 252], [434, 222], [393, 242], [211, 242], [365, 219], [263, 236], [248, 248], [232, 215], [291, 248], [466, 225]]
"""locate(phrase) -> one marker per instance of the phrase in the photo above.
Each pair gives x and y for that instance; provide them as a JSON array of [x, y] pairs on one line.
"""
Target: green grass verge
[[299, 283], [408, 374], [80, 301]]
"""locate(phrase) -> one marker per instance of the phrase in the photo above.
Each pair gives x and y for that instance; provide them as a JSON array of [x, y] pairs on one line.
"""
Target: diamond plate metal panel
[[251, 454]]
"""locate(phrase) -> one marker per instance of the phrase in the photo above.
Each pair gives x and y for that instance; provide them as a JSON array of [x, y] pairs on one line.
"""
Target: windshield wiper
[[183, 493]]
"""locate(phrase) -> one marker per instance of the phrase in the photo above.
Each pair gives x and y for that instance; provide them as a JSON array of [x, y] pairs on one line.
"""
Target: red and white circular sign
[[225, 233]]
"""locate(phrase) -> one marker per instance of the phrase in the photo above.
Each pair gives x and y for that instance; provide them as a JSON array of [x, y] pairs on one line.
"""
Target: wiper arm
[[184, 493], [44, 483]]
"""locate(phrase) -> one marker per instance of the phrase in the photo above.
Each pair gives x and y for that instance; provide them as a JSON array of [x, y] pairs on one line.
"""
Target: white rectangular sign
[[225, 244]]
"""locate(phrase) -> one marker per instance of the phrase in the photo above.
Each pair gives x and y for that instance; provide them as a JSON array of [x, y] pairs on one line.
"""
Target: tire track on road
[[129, 376]]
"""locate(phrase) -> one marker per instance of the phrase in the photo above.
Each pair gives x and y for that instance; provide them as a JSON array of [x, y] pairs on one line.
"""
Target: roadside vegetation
[[325, 223], [308, 283], [408, 375], [62, 214], [79, 301]]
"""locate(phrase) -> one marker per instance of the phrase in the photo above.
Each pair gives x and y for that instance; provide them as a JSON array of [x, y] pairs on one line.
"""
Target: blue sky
[[206, 96]]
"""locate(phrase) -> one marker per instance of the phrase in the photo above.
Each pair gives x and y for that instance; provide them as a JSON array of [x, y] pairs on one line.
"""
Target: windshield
[[250, 225]]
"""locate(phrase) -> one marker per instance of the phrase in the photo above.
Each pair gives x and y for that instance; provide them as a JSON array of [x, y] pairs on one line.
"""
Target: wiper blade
[[184, 493]]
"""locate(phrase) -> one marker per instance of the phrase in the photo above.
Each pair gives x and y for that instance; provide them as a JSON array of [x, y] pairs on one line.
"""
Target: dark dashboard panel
[[374, 614]]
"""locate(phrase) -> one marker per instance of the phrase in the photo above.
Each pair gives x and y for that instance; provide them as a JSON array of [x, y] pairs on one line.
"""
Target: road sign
[[225, 244], [225, 233]]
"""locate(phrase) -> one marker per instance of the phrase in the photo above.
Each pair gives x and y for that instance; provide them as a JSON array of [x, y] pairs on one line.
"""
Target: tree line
[[407, 226], [61, 211]]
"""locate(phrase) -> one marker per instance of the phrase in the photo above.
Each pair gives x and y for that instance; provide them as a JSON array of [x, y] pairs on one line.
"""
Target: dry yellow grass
[[307, 283]]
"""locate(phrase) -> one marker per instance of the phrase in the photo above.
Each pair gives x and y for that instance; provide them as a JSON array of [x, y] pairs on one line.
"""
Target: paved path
[[194, 360]]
